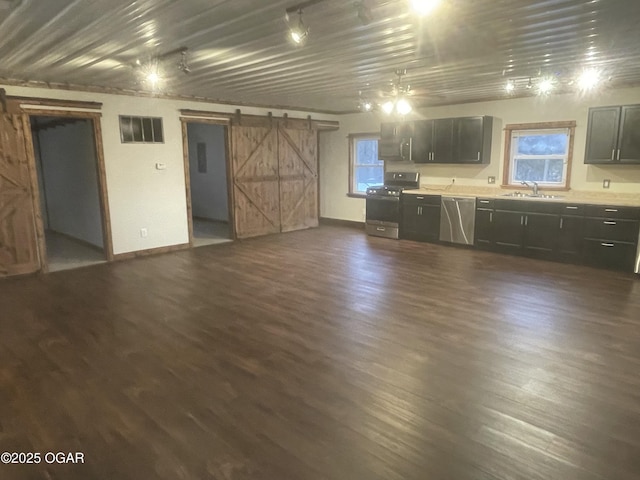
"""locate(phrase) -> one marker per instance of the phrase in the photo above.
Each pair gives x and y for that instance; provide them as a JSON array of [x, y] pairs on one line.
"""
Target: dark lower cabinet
[[570, 238], [598, 235], [420, 218]]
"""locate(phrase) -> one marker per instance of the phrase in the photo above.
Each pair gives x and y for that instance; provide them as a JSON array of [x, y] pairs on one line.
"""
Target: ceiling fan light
[[403, 107], [424, 7], [589, 79], [388, 107]]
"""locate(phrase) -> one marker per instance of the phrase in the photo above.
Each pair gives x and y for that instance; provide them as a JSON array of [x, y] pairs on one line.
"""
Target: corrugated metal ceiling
[[238, 49]]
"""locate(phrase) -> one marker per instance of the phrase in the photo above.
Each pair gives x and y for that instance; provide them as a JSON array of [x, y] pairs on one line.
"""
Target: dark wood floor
[[323, 354]]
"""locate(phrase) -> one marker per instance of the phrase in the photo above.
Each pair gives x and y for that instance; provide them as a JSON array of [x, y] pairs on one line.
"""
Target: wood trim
[[341, 223], [506, 161], [213, 117], [187, 178], [35, 194], [103, 194], [356, 195], [230, 181], [54, 102], [327, 125], [150, 251], [140, 94]]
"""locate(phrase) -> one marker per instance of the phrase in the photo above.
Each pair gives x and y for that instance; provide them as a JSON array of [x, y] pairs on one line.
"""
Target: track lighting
[[546, 85], [298, 31], [510, 86], [183, 65], [589, 79]]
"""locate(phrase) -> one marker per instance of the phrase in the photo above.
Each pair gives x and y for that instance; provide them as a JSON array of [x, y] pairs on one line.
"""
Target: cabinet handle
[[526, 220], [380, 229], [490, 217], [607, 244], [478, 156], [572, 208], [419, 210], [618, 158], [420, 198], [484, 201], [610, 223], [611, 210], [521, 220], [561, 223], [613, 154]]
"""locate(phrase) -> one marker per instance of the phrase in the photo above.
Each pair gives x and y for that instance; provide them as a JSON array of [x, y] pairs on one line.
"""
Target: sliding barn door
[[255, 177], [18, 239], [298, 167]]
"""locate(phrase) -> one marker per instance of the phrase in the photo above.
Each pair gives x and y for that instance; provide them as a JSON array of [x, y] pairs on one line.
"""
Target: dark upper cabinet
[[453, 140], [395, 141], [613, 135], [472, 142]]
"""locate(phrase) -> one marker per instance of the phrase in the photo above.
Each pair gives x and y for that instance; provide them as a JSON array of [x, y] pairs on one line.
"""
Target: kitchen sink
[[529, 195]]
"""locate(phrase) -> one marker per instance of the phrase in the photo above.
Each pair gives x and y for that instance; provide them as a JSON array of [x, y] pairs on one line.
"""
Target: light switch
[[161, 166], [606, 183]]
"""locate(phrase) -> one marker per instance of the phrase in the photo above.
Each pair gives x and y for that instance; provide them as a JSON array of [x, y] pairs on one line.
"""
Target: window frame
[[157, 138], [353, 139], [508, 161]]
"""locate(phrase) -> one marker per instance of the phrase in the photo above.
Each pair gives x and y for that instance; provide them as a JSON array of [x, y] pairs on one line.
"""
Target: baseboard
[[203, 219], [151, 251], [78, 240], [341, 223]]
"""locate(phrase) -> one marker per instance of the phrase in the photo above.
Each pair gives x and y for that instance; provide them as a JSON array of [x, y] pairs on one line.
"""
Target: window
[[366, 169], [539, 152], [141, 129]]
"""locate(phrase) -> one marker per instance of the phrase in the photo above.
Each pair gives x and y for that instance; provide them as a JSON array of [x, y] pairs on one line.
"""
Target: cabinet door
[[469, 136], [570, 238], [409, 222], [541, 234], [429, 223], [388, 131], [422, 143], [484, 228], [629, 140], [508, 231], [602, 135], [613, 255], [443, 140]]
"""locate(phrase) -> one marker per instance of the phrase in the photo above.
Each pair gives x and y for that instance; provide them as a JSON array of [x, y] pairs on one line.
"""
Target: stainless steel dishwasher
[[458, 220]]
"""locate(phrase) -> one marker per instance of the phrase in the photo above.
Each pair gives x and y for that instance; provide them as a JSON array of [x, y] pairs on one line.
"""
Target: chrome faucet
[[535, 187]]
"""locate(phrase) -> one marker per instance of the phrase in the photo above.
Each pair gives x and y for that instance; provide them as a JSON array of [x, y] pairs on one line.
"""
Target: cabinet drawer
[[608, 211], [572, 209], [608, 229], [527, 206], [412, 199], [614, 255], [484, 203]]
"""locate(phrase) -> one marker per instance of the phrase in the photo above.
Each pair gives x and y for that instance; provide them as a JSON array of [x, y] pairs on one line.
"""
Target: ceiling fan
[[396, 99]]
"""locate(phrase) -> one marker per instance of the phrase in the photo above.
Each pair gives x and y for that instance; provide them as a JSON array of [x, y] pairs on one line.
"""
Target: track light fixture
[[183, 65], [151, 72], [298, 31], [364, 12], [587, 80]]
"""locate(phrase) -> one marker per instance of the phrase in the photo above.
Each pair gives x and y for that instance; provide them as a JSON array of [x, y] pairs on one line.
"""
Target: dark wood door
[[443, 140], [298, 173], [256, 177], [469, 136], [570, 238], [18, 238], [629, 139], [508, 231], [541, 234], [602, 135]]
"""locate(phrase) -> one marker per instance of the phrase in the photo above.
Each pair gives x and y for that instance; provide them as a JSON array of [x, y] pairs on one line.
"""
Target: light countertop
[[572, 196]]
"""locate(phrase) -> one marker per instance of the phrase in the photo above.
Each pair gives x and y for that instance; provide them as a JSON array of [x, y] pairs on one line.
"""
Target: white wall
[[70, 181], [334, 163], [140, 196], [208, 190]]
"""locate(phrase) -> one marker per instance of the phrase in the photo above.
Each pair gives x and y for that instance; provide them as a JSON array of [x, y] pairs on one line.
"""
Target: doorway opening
[[70, 198], [206, 162]]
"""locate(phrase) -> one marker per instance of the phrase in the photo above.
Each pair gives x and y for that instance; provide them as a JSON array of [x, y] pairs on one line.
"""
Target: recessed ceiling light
[[589, 79], [424, 7]]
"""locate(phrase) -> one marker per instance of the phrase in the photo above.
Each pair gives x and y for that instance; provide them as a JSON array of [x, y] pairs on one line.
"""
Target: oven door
[[383, 211]]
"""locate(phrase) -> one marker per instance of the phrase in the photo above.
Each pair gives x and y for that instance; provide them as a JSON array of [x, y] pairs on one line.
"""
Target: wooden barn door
[[255, 177], [18, 239], [298, 167]]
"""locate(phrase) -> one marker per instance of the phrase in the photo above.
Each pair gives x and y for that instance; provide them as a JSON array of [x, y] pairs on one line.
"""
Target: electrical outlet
[[143, 232], [606, 183], [491, 180]]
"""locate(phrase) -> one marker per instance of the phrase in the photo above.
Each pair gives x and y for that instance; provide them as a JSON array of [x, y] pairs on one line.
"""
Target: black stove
[[383, 203]]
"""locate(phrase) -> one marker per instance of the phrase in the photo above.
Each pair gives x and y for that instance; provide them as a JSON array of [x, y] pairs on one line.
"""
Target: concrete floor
[[64, 253], [209, 232]]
